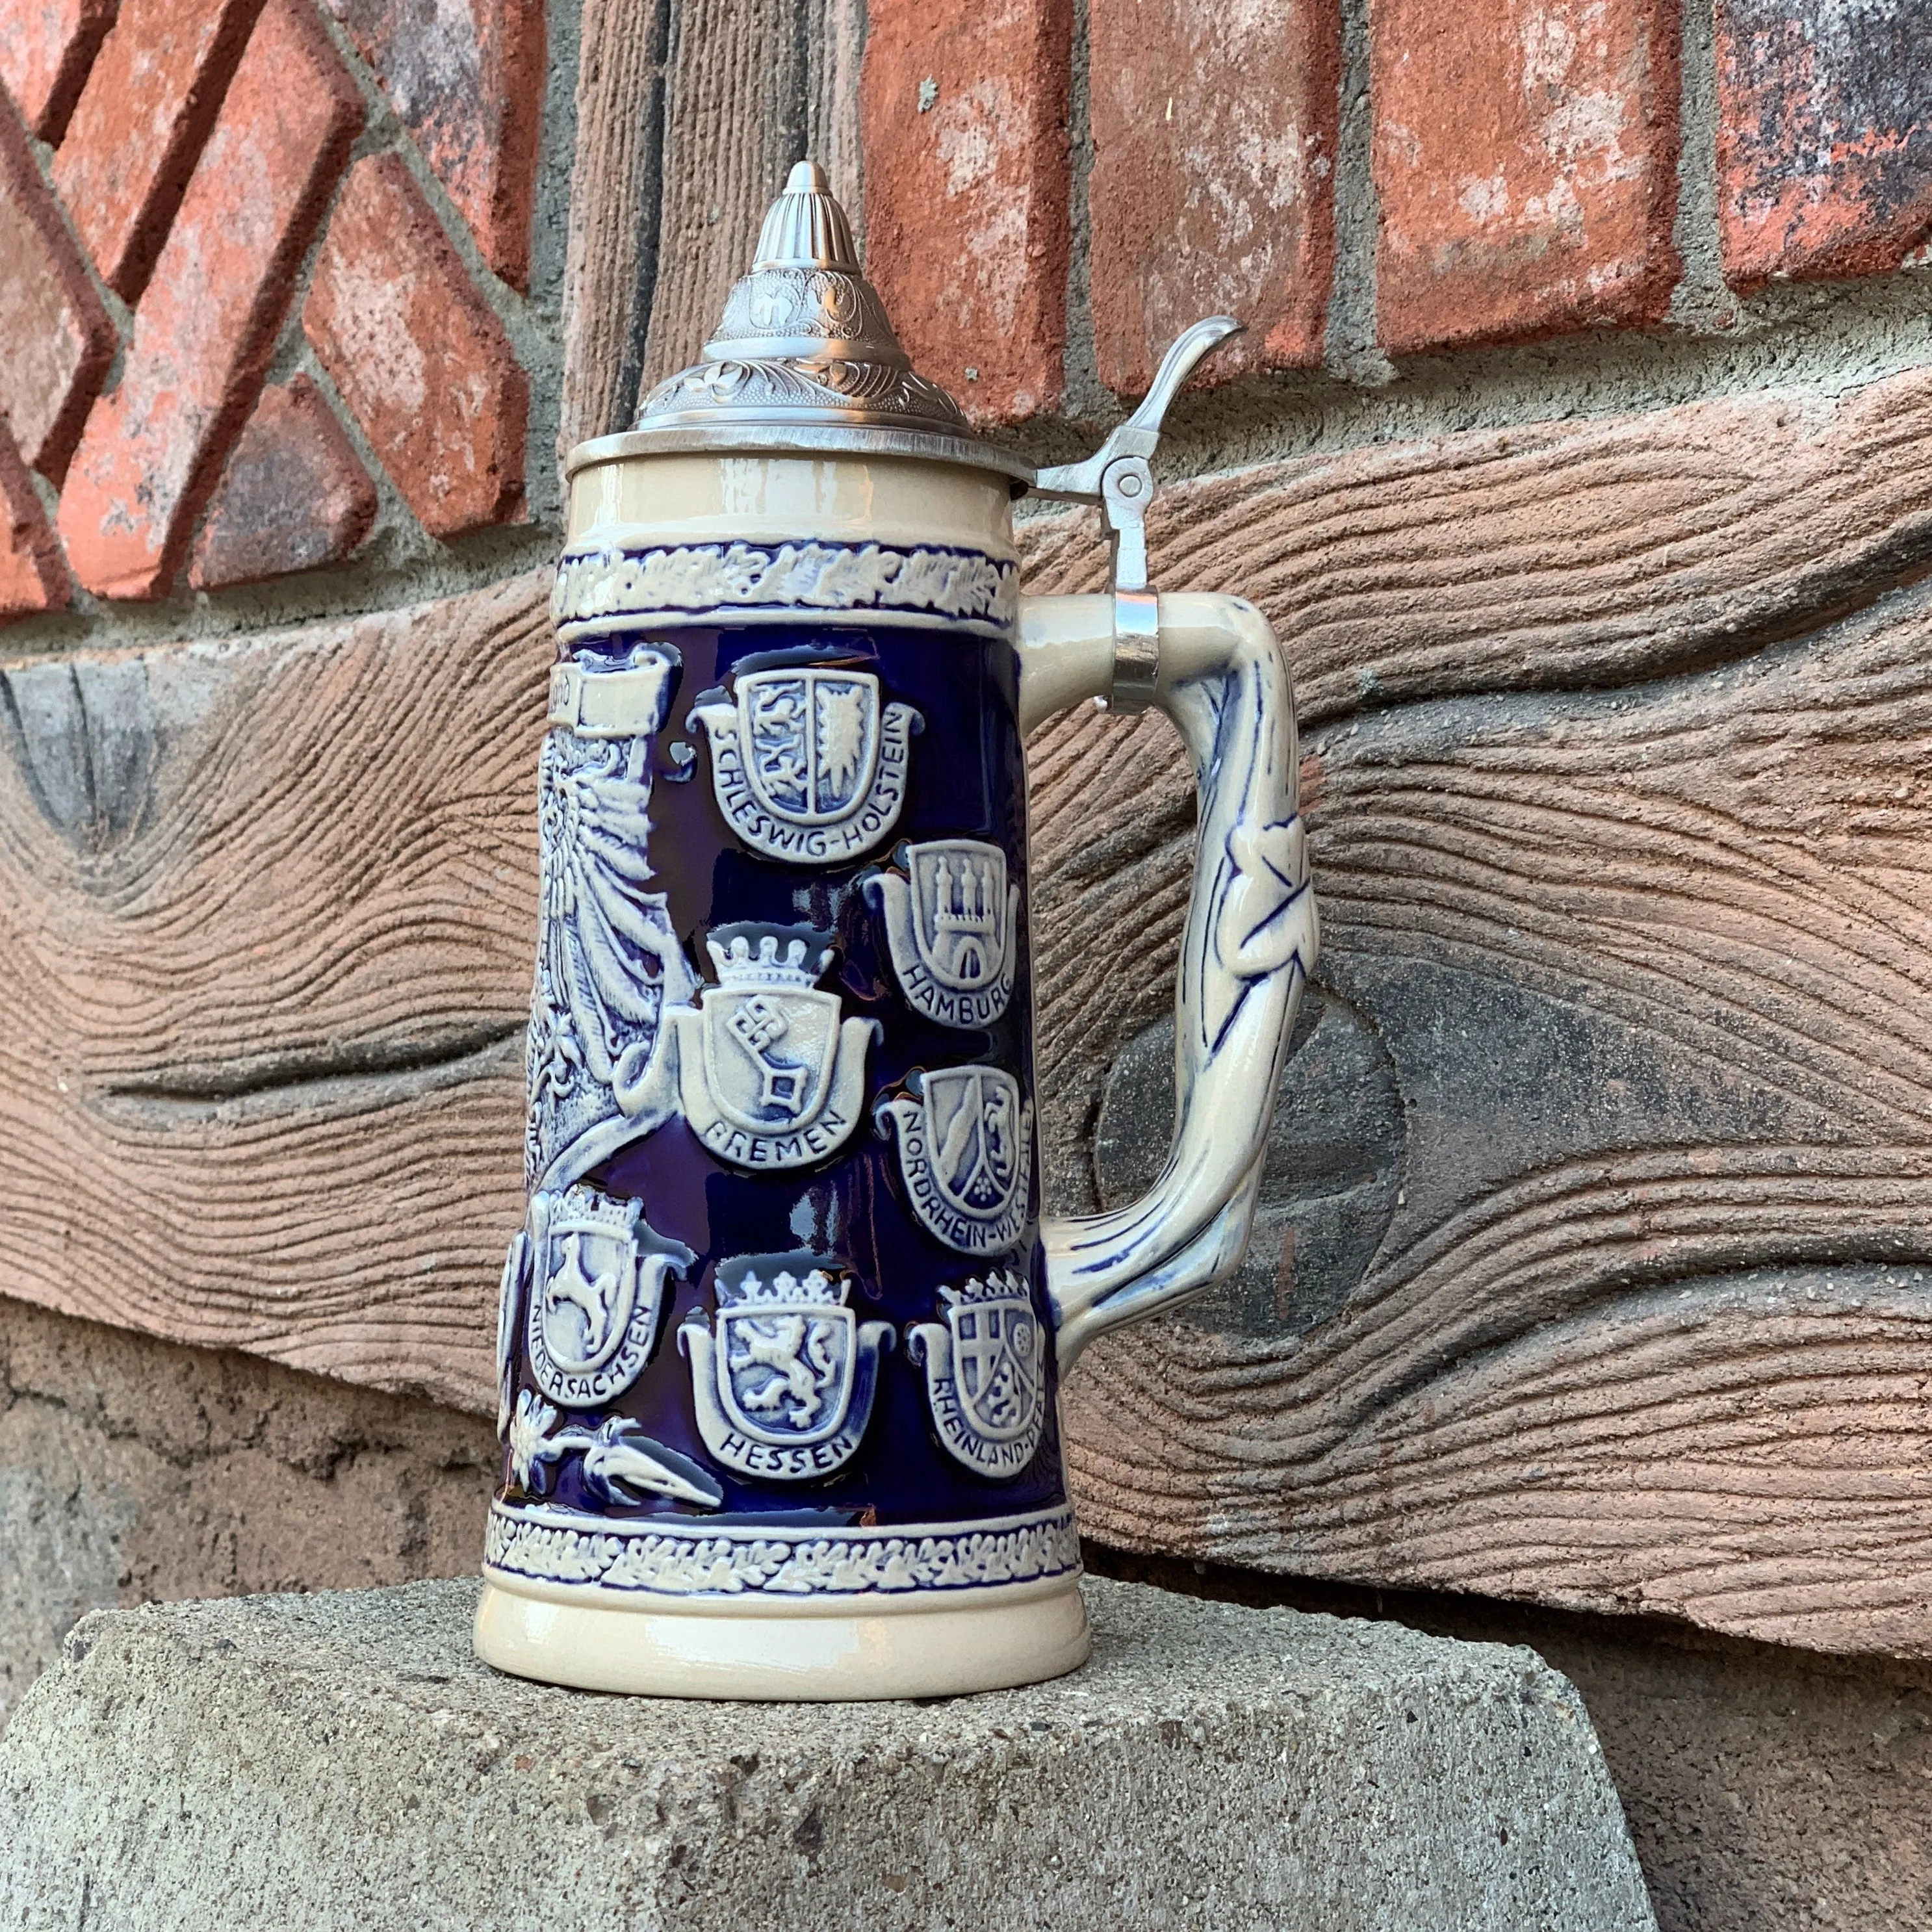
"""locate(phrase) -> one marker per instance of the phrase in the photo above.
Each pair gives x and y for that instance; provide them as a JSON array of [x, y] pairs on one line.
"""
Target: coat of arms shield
[[809, 763], [986, 1373], [974, 1113], [965, 1151], [996, 1351], [766, 1071], [951, 921], [597, 1294], [811, 740], [786, 1369], [769, 1052], [964, 925], [783, 1385]]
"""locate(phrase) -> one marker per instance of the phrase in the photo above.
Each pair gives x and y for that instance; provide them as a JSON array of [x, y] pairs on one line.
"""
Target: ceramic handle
[[1249, 945]]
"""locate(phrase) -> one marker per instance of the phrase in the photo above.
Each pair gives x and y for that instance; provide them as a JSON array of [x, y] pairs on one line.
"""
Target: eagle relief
[[807, 764], [608, 962], [784, 1384]]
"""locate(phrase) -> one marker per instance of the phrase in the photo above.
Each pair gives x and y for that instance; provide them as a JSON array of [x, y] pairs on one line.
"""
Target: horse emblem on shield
[[807, 763], [766, 1071], [986, 1373], [965, 1148], [784, 1384], [598, 1292], [952, 922]]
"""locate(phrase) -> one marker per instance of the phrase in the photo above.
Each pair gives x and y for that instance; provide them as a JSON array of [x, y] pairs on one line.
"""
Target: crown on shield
[[779, 1287], [1000, 1284], [585, 1211], [738, 965]]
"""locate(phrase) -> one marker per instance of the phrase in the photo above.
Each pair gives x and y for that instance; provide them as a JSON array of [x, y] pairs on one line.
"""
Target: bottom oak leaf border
[[548, 1546]]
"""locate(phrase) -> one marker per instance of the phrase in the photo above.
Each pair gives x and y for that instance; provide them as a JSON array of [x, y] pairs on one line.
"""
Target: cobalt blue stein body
[[780, 1338]]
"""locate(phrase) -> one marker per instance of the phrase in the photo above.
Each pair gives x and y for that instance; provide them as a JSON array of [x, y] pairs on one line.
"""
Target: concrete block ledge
[[342, 1761]]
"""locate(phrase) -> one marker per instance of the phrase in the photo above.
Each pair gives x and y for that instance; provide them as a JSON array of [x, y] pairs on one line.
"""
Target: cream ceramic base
[[820, 1651]]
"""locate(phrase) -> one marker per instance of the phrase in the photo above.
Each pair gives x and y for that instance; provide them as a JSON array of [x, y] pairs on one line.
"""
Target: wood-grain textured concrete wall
[[1592, 1267]]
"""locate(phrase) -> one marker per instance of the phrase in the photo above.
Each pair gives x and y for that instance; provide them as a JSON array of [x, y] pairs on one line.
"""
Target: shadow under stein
[[781, 1337]]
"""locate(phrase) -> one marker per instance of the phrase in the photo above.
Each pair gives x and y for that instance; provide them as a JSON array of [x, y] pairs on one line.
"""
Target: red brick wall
[[250, 253], [1523, 164], [257, 256]]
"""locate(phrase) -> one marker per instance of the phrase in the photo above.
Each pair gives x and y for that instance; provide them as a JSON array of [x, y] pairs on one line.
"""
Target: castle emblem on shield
[[952, 922], [986, 1373], [806, 764], [784, 1385], [598, 1293], [766, 1072], [965, 1146]]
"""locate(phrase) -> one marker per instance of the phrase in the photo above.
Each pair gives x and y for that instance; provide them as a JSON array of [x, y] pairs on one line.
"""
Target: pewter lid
[[806, 359]]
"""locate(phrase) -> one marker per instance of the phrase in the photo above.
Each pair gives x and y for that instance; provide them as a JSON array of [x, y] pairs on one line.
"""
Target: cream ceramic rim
[[645, 502], [827, 1650]]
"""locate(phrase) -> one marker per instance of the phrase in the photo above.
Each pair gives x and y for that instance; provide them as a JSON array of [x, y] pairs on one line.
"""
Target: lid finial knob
[[805, 228], [804, 358]]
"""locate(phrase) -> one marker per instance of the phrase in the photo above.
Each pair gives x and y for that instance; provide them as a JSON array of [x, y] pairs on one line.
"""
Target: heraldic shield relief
[[600, 1283], [965, 1145], [986, 1373], [952, 926], [766, 1072], [784, 891], [784, 1384], [734, 1319], [807, 764]]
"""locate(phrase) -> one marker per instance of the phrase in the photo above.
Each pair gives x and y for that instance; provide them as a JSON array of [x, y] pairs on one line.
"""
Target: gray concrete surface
[[338, 1761]]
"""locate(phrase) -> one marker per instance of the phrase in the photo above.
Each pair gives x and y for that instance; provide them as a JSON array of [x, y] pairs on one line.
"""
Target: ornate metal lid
[[806, 359]]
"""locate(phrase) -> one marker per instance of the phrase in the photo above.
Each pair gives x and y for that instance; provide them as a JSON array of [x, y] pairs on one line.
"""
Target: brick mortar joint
[[1213, 430], [117, 311], [1700, 302], [399, 563], [1084, 395], [1351, 351]]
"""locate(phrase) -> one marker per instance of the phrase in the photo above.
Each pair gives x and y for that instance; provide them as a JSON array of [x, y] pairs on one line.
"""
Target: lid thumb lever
[[1118, 478]]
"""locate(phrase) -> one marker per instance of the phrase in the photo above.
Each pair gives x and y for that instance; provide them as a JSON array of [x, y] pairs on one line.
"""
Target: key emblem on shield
[[766, 1071]]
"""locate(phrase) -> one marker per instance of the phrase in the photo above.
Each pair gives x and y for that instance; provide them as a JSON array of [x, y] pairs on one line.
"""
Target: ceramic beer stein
[[781, 1338]]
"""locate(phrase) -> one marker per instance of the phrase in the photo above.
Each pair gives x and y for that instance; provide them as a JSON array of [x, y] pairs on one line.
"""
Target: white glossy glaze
[[656, 500], [815, 1650], [1249, 944]]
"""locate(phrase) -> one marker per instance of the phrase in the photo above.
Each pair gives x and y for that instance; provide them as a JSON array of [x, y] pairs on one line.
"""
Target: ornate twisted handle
[[1249, 945], [1214, 665]]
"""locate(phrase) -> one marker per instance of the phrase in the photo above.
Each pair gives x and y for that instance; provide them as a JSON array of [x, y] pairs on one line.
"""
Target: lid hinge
[[1119, 478]]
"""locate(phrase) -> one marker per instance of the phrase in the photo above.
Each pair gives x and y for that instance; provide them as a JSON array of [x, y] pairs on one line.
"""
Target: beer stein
[[781, 1338]]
